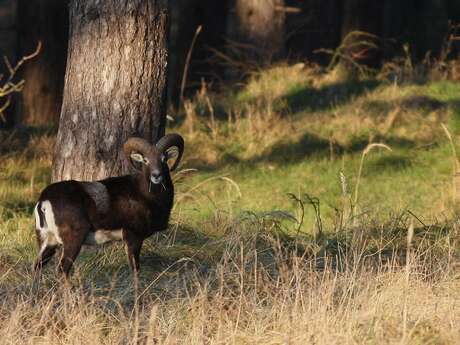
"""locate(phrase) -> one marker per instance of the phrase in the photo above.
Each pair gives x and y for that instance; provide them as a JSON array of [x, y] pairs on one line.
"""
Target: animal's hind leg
[[44, 256], [73, 238], [45, 252]]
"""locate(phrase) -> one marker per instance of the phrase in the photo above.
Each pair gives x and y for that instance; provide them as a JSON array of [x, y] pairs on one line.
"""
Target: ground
[[307, 211]]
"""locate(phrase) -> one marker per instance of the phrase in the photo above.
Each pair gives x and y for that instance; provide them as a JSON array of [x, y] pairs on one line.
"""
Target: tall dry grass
[[264, 287]]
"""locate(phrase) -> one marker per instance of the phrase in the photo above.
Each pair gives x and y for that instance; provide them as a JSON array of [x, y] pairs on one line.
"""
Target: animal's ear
[[172, 147], [171, 155], [137, 160]]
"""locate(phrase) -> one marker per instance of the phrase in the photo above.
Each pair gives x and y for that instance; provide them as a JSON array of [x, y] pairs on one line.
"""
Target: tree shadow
[[421, 102], [18, 138], [328, 96], [285, 152], [164, 255], [310, 145], [390, 162], [418, 102], [358, 144], [455, 106]]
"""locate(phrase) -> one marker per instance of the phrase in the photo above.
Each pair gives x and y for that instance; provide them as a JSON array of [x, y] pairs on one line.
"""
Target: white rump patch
[[49, 232], [98, 192], [37, 218], [103, 236]]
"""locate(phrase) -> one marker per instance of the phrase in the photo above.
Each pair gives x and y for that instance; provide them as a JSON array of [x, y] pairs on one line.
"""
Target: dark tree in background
[[45, 21], [312, 25], [260, 30], [421, 24], [8, 48], [114, 86], [430, 27], [256, 27], [186, 16]]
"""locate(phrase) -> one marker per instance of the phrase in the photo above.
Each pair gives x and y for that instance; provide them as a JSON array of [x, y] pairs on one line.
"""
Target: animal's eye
[[137, 165]]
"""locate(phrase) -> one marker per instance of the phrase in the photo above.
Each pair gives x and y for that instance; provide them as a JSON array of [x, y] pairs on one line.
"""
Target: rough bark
[[45, 21], [114, 87], [258, 25]]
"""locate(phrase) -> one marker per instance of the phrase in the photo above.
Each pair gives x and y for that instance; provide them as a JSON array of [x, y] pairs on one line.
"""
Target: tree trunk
[[45, 21], [114, 87], [257, 26], [186, 16], [430, 28]]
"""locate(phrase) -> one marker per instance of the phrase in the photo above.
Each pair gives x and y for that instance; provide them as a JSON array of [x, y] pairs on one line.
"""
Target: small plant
[[355, 48]]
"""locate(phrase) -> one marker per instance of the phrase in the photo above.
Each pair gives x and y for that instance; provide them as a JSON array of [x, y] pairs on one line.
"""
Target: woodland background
[[318, 198], [236, 35]]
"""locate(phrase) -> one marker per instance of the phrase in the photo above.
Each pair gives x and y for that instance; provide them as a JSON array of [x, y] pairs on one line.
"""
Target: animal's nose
[[156, 177]]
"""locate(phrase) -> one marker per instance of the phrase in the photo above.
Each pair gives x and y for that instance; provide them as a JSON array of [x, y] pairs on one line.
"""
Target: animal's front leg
[[133, 245]]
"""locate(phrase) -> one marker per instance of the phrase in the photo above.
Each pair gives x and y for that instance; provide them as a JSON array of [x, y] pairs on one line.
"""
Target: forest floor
[[308, 211]]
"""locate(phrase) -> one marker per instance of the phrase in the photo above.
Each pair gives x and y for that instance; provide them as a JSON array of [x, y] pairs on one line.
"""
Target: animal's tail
[[47, 235], [40, 220]]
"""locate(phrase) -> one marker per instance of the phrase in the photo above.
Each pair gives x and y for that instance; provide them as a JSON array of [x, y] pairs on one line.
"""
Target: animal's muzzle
[[156, 178]]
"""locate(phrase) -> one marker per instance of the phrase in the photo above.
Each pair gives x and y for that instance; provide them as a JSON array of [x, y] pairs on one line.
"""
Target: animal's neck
[[161, 193], [160, 198]]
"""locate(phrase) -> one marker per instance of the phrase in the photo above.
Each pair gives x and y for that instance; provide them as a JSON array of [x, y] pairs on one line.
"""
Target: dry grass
[[263, 288]]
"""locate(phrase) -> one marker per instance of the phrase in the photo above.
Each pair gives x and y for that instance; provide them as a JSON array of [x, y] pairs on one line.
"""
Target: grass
[[291, 231], [266, 143]]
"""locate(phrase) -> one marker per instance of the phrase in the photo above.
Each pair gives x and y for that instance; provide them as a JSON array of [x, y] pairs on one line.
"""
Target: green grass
[[304, 151]]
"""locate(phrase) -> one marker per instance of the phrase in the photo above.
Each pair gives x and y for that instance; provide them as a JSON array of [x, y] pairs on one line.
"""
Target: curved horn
[[173, 145], [138, 145]]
